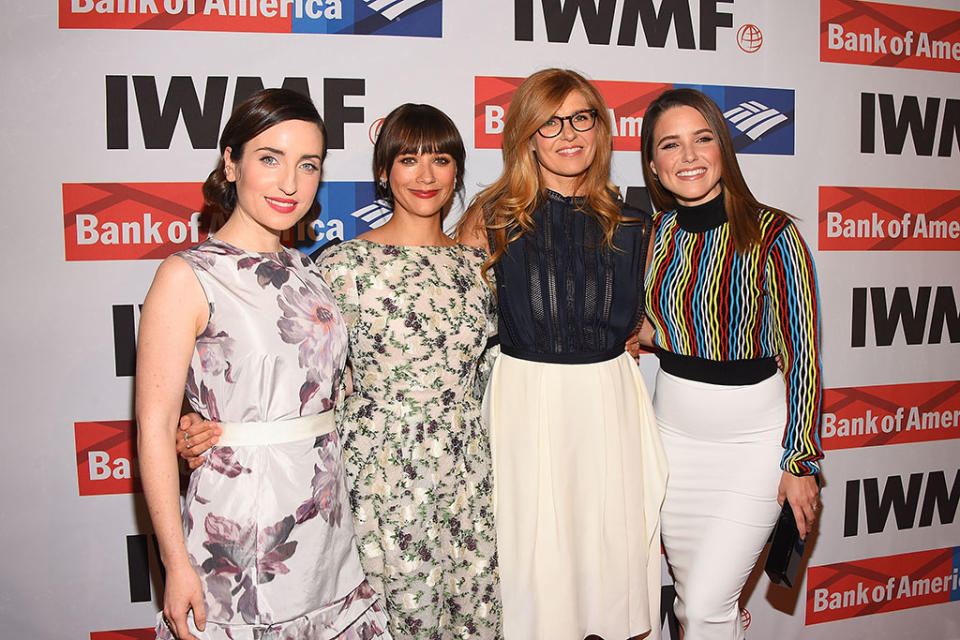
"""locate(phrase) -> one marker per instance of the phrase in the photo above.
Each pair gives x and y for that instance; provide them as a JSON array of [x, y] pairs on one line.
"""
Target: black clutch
[[786, 549]]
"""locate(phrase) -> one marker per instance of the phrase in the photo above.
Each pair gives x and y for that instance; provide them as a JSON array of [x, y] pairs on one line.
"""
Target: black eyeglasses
[[580, 121]]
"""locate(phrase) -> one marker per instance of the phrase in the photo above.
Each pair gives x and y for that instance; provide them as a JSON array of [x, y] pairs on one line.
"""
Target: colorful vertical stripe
[[708, 301]]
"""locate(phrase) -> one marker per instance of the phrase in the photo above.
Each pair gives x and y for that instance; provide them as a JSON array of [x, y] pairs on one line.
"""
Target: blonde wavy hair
[[505, 208]]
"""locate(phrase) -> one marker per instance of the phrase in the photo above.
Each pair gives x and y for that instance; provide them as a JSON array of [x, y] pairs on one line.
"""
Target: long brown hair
[[742, 208], [507, 204]]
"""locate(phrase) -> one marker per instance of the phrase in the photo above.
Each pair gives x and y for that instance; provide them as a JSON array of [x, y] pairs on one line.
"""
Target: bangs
[[419, 133]]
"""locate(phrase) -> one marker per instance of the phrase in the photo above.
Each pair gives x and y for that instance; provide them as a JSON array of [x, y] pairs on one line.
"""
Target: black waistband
[[729, 372], [564, 358]]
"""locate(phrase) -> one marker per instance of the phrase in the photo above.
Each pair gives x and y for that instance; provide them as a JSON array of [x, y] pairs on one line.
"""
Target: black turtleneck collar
[[702, 217]]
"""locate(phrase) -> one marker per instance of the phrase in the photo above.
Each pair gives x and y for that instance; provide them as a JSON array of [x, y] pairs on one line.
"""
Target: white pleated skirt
[[579, 476], [723, 446]]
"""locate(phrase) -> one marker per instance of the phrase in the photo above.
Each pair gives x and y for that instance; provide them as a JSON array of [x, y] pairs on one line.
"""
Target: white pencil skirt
[[579, 478], [723, 446]]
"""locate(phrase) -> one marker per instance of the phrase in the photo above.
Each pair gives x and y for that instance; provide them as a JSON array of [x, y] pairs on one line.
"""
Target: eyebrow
[[674, 135], [281, 153], [573, 113]]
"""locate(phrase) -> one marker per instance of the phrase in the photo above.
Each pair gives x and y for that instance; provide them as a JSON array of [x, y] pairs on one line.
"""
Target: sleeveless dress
[[578, 465], [267, 527], [415, 448]]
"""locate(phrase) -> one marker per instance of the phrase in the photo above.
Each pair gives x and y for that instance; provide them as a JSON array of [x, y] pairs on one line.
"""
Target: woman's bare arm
[[174, 313]]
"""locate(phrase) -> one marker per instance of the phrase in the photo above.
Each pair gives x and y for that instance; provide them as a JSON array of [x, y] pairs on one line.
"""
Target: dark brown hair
[[252, 117], [743, 209], [415, 128]]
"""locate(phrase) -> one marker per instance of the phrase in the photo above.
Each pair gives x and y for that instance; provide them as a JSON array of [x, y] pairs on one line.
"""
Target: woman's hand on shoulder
[[472, 231]]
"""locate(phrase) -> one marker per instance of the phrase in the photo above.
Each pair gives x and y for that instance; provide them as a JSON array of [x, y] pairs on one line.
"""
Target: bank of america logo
[[374, 215], [423, 18], [393, 9], [754, 118], [761, 120]]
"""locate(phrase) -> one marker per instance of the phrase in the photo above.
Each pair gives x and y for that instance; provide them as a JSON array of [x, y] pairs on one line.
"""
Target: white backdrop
[[75, 533]]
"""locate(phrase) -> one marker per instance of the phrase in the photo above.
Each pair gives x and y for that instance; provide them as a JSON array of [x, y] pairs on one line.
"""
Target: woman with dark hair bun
[[264, 548], [416, 451], [731, 286]]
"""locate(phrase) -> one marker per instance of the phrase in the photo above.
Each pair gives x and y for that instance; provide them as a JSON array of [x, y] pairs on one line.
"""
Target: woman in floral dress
[[416, 452], [418, 315], [265, 548]]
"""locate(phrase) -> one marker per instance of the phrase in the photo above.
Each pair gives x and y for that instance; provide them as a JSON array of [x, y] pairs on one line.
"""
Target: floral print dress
[[267, 527], [416, 452]]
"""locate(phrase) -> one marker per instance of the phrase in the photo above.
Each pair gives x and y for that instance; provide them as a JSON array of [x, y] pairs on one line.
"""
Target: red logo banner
[[885, 219], [134, 221], [877, 585], [106, 458], [124, 634], [627, 101], [890, 414], [889, 35], [181, 15]]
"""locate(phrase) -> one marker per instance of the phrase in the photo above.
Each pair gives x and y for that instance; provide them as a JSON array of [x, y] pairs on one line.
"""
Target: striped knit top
[[707, 301]]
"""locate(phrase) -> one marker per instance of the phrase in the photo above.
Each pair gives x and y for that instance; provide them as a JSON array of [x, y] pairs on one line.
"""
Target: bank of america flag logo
[[347, 209], [760, 119], [393, 9], [374, 215], [423, 18], [754, 118], [399, 18]]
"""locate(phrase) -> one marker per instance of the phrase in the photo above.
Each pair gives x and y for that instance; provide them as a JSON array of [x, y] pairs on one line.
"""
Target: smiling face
[[565, 158], [422, 183], [686, 156], [277, 175]]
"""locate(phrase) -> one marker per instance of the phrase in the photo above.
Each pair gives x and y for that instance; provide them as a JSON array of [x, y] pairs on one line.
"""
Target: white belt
[[247, 434]]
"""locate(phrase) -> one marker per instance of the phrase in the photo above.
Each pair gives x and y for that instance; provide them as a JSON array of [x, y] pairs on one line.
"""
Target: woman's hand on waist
[[194, 437]]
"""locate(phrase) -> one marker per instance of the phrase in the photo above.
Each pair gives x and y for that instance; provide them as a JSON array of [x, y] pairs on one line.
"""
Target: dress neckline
[[387, 245], [273, 254], [568, 200]]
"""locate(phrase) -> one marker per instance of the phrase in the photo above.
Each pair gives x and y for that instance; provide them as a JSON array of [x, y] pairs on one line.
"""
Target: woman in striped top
[[730, 287]]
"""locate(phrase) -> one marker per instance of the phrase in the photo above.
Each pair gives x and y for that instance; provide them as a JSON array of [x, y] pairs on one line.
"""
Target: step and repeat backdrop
[[844, 113]]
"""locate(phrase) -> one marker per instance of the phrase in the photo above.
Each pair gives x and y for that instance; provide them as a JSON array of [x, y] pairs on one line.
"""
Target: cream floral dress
[[416, 453]]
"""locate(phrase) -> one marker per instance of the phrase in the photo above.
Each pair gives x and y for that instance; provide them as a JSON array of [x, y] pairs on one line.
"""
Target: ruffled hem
[[358, 616]]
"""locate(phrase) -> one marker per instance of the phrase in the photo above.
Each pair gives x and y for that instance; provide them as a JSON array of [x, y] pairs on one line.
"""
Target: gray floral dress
[[415, 449], [267, 527]]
